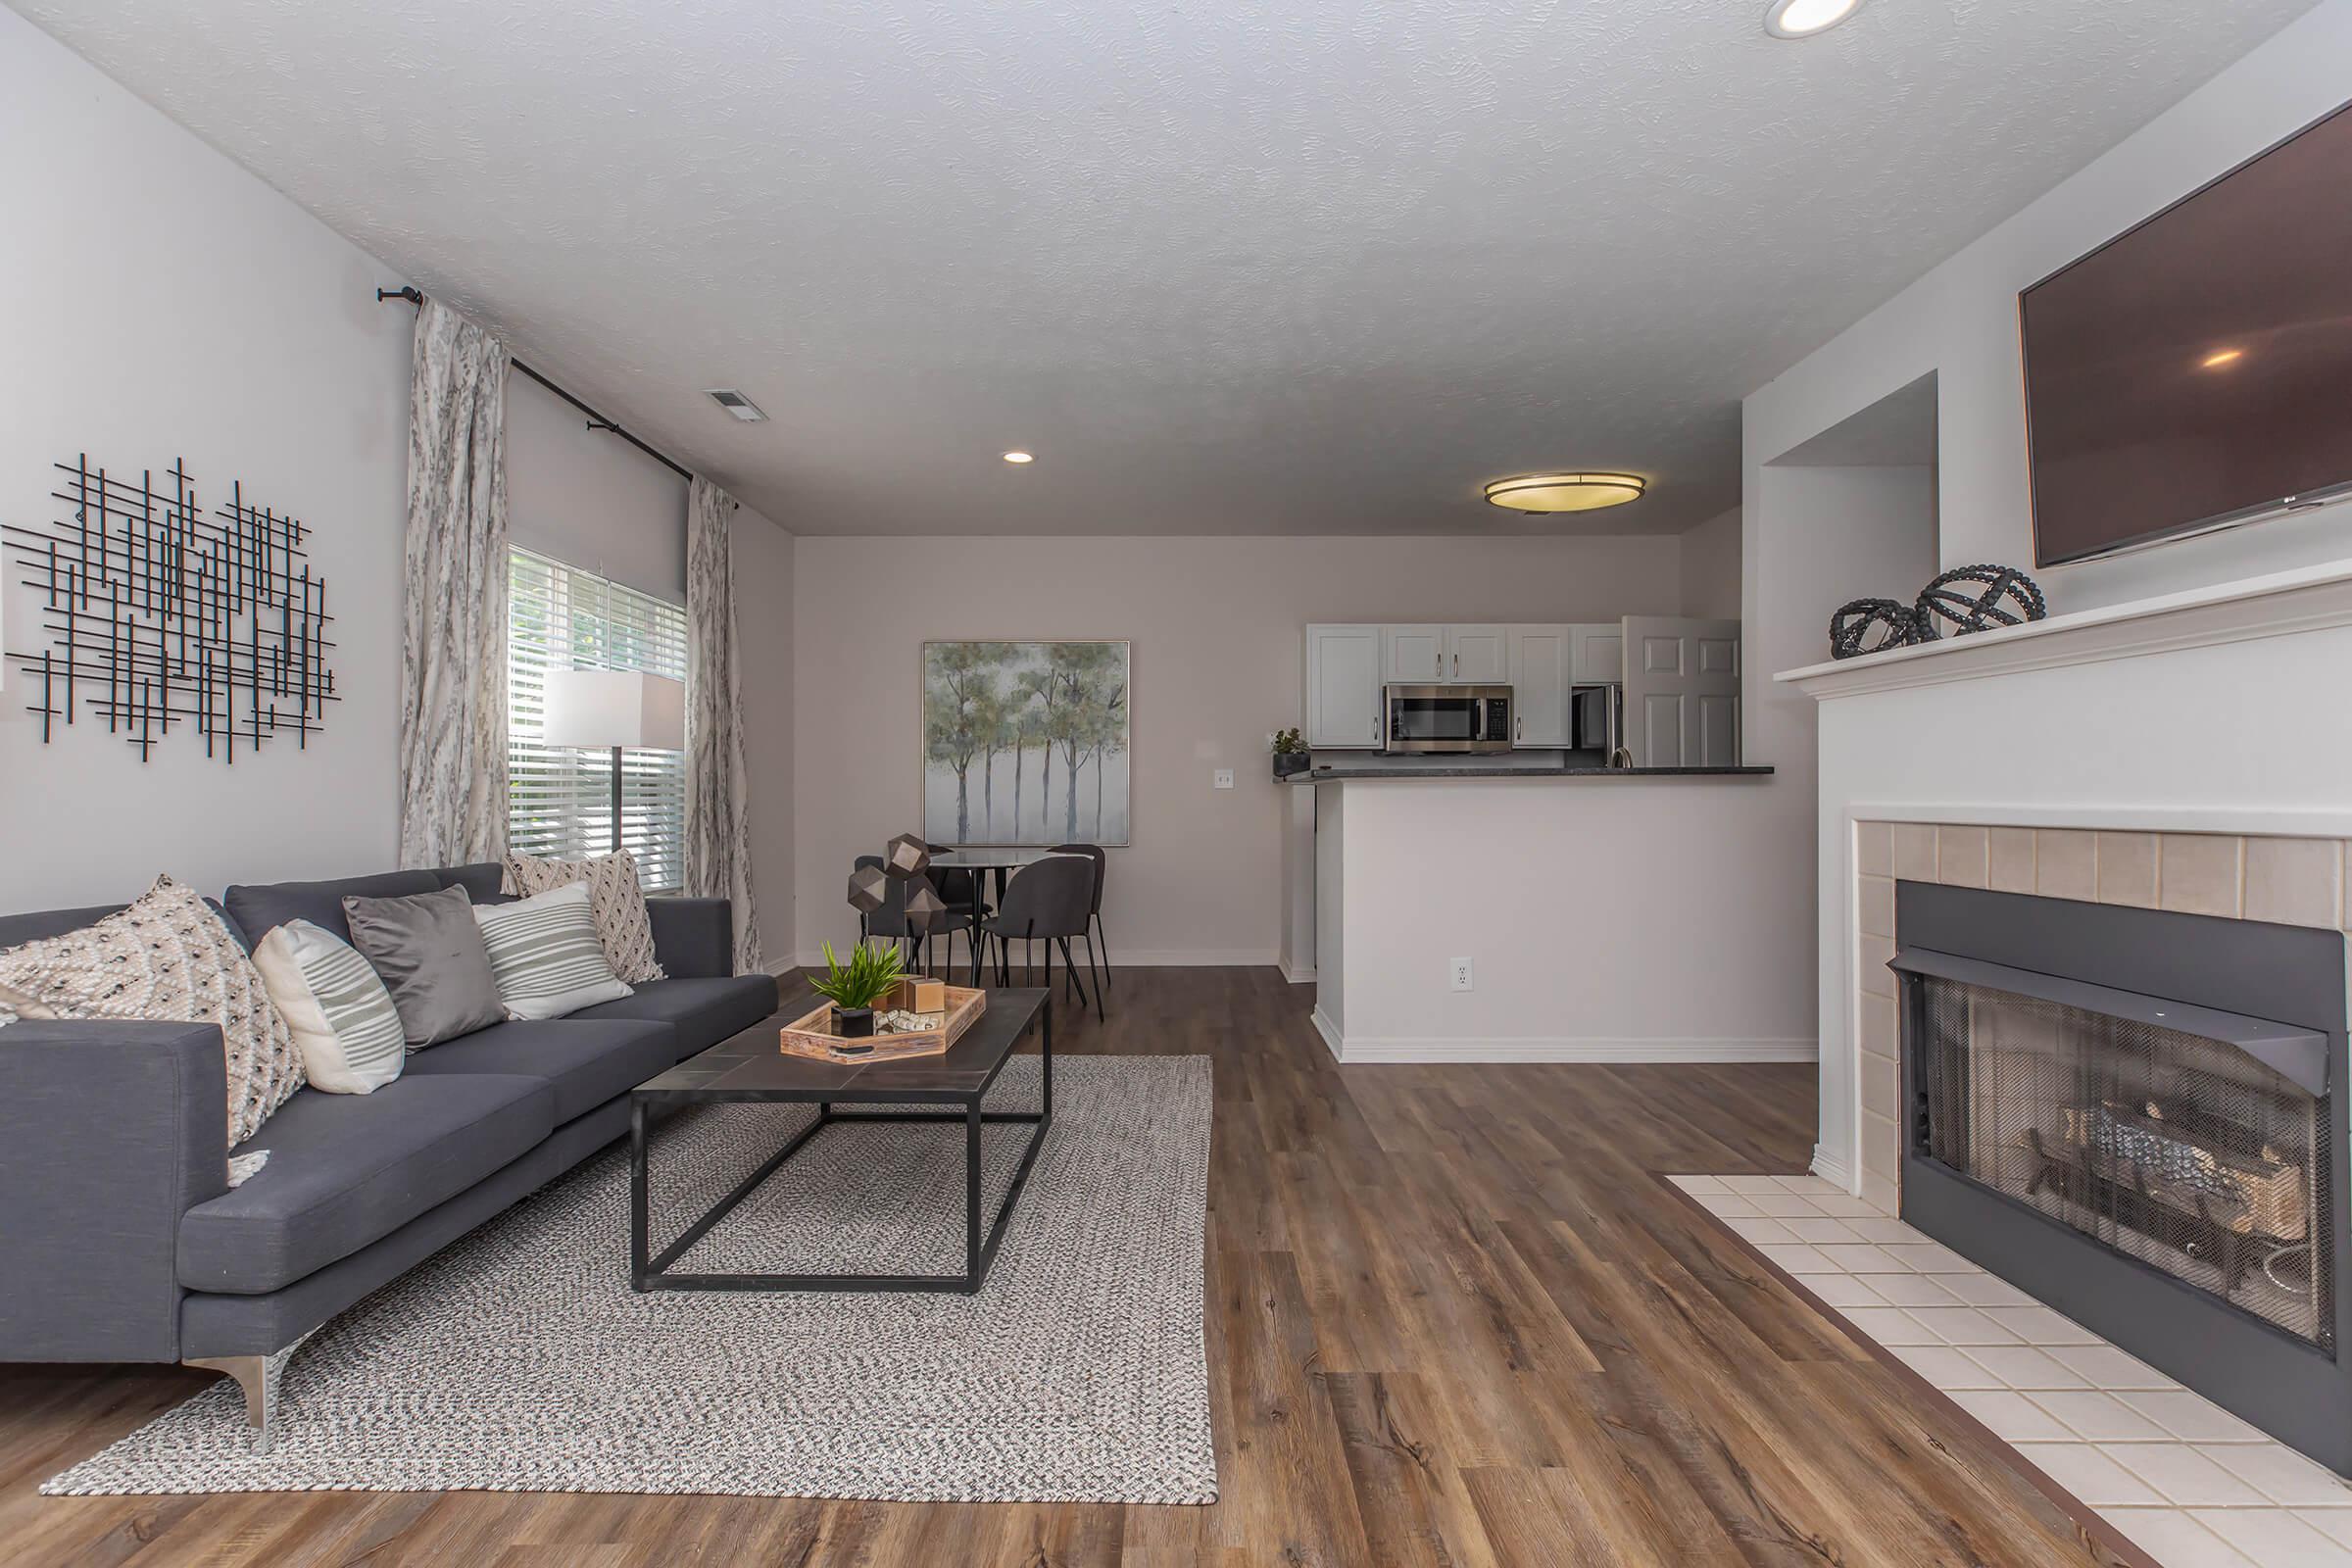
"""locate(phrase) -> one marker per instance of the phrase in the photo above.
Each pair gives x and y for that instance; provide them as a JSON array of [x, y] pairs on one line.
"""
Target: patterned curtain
[[718, 849], [453, 636]]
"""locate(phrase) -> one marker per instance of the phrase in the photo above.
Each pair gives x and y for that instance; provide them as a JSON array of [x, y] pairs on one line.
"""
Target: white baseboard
[[1296, 974], [1355, 1049], [1161, 958], [1832, 1169], [1329, 1031]]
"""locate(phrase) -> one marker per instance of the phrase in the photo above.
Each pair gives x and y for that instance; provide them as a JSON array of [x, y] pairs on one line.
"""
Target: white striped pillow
[[544, 950], [340, 1015]]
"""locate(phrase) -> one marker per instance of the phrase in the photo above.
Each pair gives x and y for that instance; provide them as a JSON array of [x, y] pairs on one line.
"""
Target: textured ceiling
[[1319, 266]]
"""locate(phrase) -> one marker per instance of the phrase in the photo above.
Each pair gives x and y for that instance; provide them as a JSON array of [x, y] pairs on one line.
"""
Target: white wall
[[215, 323], [1710, 567], [1606, 919], [1960, 321], [1216, 626], [162, 304]]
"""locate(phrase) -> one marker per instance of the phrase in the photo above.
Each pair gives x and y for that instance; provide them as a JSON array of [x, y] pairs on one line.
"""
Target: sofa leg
[[258, 1376]]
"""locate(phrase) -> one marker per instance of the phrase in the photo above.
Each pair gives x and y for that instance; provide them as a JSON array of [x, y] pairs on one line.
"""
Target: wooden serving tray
[[811, 1035]]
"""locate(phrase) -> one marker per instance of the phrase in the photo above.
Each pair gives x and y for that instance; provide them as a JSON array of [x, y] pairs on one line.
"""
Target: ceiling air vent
[[735, 403]]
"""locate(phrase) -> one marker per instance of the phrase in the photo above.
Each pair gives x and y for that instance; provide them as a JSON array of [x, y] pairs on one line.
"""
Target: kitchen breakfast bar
[[1538, 907]]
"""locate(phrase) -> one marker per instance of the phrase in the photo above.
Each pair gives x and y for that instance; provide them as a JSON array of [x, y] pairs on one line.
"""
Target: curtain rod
[[596, 421]]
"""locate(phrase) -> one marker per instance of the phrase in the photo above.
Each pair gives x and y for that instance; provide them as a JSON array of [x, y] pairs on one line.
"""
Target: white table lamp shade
[[606, 708]]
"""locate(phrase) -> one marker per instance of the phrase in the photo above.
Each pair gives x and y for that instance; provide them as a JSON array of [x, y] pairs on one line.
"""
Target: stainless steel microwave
[[1446, 718]]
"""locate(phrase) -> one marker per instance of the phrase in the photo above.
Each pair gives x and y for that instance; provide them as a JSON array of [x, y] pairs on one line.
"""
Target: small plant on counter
[[853, 987], [1291, 754]]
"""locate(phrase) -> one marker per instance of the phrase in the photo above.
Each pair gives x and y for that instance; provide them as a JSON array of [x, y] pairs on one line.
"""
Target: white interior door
[[1682, 692]]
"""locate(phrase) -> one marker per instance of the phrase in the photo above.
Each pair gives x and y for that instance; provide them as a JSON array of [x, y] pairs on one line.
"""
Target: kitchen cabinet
[[1342, 687], [1477, 656], [1597, 652], [1413, 654], [1537, 667]]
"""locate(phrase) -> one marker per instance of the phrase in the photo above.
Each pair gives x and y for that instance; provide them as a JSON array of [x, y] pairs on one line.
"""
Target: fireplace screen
[[2182, 1151]]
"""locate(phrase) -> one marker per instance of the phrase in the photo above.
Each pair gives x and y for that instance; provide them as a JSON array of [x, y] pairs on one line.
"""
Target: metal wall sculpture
[[161, 613]]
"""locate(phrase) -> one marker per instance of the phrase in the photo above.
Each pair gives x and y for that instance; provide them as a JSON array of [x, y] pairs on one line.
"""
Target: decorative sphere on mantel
[[1968, 599], [1870, 626]]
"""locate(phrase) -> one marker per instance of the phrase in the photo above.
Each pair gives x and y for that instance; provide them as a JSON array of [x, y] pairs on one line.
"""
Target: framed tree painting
[[1025, 743]]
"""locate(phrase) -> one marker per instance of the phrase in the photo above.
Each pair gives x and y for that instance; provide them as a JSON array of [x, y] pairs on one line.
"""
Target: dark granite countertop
[[1343, 771]]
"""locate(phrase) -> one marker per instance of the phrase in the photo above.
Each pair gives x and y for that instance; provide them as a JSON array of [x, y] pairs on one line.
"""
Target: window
[[560, 799]]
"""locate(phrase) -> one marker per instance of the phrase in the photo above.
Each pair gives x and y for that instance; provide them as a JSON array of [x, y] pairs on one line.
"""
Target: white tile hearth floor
[[2191, 1483]]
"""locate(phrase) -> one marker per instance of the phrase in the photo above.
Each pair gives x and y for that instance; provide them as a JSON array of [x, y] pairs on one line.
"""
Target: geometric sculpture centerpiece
[[160, 614]]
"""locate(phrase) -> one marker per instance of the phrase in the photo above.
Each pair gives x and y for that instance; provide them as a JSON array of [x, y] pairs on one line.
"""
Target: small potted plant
[[1291, 754], [853, 987]]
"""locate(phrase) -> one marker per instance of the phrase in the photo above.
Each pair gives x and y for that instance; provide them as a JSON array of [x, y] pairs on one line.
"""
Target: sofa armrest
[[108, 1133], [694, 938]]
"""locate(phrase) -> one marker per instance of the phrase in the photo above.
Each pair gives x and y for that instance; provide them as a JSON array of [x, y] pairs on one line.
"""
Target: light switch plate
[[1222, 778]]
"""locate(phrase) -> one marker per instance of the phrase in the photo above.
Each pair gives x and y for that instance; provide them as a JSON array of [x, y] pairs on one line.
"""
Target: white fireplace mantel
[[2281, 604], [2222, 711]]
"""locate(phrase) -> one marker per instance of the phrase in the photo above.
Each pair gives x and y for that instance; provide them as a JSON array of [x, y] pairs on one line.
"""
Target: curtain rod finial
[[408, 293]]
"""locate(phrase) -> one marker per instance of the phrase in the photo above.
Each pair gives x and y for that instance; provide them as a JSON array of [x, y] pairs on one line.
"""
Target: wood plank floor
[[1454, 1318]]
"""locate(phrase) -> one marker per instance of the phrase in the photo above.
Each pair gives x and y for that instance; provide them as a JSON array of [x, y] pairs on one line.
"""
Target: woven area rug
[[520, 1360]]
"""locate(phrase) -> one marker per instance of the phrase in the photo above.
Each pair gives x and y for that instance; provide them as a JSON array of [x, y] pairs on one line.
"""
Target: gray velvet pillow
[[427, 948]]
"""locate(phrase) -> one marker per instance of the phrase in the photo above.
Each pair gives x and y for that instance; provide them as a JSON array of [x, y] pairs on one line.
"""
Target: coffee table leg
[[639, 1241], [971, 1198], [1046, 1049]]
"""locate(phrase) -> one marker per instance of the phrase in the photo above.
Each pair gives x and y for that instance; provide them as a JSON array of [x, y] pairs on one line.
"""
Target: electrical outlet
[[1462, 974], [1222, 778]]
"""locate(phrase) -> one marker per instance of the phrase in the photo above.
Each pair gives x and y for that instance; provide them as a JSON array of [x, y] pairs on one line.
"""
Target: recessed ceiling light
[[2221, 357], [1019, 456], [1801, 19], [1566, 492], [735, 403]]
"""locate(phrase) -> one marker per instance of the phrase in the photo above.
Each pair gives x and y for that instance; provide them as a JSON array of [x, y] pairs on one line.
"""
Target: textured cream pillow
[[167, 956], [335, 1006], [622, 925]]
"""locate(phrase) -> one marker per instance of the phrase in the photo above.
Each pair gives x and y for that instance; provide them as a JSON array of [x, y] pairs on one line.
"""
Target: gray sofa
[[124, 1240]]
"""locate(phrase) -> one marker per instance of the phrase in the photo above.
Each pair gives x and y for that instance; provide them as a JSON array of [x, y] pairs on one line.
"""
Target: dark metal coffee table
[[748, 1068]]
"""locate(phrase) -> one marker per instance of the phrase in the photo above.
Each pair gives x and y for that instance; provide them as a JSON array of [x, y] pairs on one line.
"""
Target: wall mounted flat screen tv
[[2197, 370]]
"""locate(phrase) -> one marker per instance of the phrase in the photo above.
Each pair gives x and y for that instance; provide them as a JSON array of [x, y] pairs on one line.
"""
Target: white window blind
[[560, 799]]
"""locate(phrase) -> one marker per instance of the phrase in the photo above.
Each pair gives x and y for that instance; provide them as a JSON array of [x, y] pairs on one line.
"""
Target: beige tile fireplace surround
[[2288, 881]]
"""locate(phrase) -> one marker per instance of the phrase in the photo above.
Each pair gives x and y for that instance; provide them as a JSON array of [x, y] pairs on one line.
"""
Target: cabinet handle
[[1457, 666], [1520, 733]]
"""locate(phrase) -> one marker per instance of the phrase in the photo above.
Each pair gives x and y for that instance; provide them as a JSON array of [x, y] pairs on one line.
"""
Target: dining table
[[982, 860]]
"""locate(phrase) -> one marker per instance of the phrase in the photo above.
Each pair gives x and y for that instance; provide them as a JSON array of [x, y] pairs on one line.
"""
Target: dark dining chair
[[891, 923], [1094, 912], [1047, 901], [958, 889]]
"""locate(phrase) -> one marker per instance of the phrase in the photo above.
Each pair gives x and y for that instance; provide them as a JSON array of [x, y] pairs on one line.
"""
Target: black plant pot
[[854, 1023], [1287, 762]]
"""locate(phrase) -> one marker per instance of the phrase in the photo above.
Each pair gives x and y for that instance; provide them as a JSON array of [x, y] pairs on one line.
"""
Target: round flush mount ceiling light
[[1020, 457], [1565, 492], [1803, 19]]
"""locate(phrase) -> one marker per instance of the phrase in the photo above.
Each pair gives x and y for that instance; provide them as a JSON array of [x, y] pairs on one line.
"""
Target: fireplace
[[2136, 1116]]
